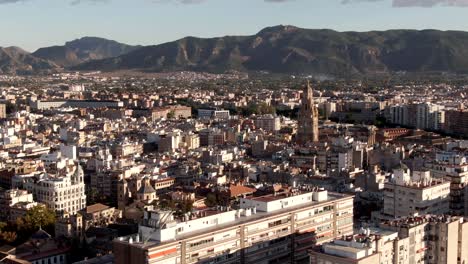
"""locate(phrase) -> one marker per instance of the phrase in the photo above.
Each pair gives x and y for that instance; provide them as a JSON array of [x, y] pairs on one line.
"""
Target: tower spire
[[308, 118]]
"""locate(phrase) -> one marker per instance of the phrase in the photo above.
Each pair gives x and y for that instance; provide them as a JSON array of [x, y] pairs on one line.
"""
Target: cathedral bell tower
[[307, 130]]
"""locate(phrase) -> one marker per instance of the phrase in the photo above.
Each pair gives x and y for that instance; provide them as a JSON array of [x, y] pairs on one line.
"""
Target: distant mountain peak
[[278, 29], [83, 50]]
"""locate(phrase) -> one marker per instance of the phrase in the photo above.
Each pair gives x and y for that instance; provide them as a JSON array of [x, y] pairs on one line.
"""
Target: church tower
[[307, 130]]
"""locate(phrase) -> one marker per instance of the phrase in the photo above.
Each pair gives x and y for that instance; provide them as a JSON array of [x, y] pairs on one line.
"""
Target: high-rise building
[[456, 122], [276, 228], [432, 239], [307, 130], [412, 194], [423, 239]]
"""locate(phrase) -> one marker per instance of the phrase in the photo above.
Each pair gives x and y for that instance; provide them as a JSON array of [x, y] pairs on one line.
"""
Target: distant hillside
[[14, 60], [288, 49], [83, 50]]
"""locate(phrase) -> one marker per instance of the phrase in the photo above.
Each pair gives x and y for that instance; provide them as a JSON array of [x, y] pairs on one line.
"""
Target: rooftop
[[95, 208], [258, 215]]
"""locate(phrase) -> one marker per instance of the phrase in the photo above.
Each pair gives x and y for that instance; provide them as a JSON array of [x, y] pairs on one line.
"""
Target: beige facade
[[279, 228], [412, 194], [432, 239], [3, 111]]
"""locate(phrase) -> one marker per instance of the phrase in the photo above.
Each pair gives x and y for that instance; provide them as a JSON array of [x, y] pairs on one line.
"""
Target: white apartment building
[[427, 239], [412, 194], [62, 193], [453, 168], [370, 246], [277, 228], [46, 105], [268, 123], [12, 197], [213, 114], [420, 116], [430, 116], [432, 239]]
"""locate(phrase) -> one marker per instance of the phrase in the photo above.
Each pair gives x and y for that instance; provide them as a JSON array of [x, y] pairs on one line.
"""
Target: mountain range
[[279, 49]]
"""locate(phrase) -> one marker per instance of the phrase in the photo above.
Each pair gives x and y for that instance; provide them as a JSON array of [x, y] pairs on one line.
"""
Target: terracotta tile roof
[[96, 208], [237, 190]]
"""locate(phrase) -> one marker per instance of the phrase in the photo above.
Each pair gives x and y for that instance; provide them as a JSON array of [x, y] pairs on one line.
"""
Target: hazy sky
[[31, 24]]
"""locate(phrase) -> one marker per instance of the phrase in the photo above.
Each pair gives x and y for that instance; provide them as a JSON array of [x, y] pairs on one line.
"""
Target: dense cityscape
[[206, 168], [233, 132]]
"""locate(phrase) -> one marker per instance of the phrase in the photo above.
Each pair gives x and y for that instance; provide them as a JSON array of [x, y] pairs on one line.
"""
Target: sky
[[31, 24]]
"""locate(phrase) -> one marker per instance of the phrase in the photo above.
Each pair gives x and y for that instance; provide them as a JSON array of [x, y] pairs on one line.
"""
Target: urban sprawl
[[203, 168]]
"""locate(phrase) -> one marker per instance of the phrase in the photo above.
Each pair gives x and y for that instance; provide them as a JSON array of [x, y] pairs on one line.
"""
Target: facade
[[426, 239], [96, 215], [367, 247], [46, 105], [307, 130], [3, 111], [14, 202], [268, 123], [455, 170], [456, 122], [432, 239], [62, 194], [420, 116], [213, 114], [264, 229], [416, 194]]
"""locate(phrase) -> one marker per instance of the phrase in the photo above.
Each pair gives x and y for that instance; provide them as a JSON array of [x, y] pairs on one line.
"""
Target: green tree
[[211, 200], [264, 108], [35, 218], [171, 114], [186, 207]]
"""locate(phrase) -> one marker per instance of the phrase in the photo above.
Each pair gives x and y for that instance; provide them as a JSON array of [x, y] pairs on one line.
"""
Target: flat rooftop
[[242, 220]]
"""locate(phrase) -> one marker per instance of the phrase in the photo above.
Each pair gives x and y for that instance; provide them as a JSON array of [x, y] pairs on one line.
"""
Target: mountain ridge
[[278, 49], [290, 49]]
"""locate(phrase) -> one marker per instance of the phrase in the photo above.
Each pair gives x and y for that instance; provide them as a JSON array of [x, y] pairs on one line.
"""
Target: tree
[[6, 236], [171, 114], [35, 218], [186, 207], [264, 108], [211, 200]]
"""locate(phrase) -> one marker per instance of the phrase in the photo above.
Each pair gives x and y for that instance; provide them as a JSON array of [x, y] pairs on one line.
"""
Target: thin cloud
[[416, 3], [185, 2], [429, 3], [10, 1], [77, 2]]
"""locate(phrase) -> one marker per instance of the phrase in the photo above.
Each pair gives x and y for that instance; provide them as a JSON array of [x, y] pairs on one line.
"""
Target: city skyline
[[31, 24]]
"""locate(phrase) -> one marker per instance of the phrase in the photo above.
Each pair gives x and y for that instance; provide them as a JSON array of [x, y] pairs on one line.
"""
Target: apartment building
[[412, 194], [12, 201], [432, 239], [213, 114], [265, 229], [46, 105], [453, 168], [421, 116], [425, 239], [456, 122], [269, 123], [61, 193], [367, 247]]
